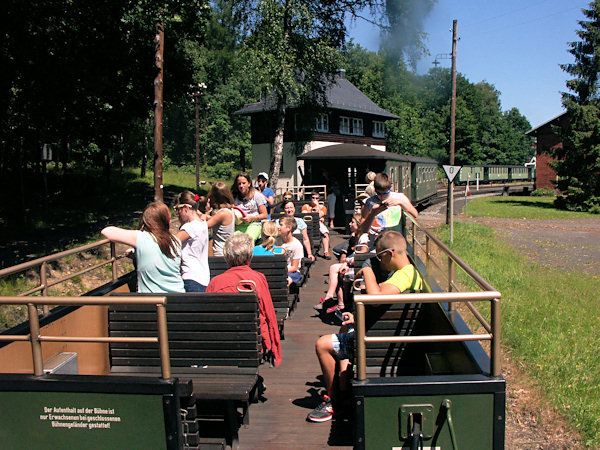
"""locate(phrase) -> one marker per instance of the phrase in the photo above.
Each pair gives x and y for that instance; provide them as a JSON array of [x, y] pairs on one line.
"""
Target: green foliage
[[216, 63], [549, 321], [484, 134], [80, 72], [578, 161], [291, 53], [543, 192]]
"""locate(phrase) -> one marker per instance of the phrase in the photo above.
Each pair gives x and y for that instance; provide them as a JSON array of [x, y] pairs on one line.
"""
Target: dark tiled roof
[[341, 95], [534, 131], [357, 151]]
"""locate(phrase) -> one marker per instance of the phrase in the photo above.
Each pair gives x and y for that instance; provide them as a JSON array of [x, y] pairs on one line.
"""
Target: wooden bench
[[214, 341], [312, 228], [274, 268]]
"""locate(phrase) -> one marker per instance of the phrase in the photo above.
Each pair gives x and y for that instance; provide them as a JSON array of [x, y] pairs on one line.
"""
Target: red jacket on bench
[[228, 281]]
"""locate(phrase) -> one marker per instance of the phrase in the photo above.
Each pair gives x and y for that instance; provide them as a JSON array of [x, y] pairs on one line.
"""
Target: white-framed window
[[350, 125], [378, 129], [322, 123]]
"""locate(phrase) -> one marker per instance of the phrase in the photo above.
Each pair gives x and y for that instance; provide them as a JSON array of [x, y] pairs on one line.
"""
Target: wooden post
[[158, 112], [450, 205]]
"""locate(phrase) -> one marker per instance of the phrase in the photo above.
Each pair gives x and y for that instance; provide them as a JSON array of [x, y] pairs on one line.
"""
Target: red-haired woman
[[158, 252], [251, 202]]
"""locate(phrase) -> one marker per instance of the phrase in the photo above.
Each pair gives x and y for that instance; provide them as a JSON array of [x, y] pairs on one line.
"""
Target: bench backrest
[[385, 359], [312, 228], [211, 330], [273, 267]]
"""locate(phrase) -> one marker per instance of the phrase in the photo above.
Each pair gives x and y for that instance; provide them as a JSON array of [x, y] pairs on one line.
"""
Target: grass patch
[[521, 208], [550, 320]]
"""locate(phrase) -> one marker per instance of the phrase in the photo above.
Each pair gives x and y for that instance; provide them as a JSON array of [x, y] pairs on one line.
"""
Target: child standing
[[193, 235], [293, 248]]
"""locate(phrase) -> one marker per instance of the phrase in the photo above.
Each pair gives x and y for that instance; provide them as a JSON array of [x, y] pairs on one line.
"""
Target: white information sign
[[451, 171]]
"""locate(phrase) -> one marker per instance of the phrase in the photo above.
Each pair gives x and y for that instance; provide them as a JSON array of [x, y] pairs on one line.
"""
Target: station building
[[351, 122]]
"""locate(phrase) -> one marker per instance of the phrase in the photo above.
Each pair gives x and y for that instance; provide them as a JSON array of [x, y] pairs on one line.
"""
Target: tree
[[292, 50], [578, 161], [291, 55]]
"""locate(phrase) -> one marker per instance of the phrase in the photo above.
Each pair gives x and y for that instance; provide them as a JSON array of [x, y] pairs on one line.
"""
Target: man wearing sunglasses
[[316, 206], [384, 209], [391, 252]]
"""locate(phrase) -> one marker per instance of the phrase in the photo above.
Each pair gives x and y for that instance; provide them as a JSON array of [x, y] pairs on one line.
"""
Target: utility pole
[[196, 94], [159, 42], [450, 202], [196, 104], [206, 107]]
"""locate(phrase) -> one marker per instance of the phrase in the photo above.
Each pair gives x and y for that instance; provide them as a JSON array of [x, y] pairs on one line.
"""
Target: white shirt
[[194, 253]]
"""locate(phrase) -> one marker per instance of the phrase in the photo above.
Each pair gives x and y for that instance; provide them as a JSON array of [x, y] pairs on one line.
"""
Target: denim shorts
[[193, 286], [295, 276], [343, 344]]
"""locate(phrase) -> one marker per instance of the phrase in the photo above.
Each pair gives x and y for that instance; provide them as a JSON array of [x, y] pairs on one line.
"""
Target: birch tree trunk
[[278, 142]]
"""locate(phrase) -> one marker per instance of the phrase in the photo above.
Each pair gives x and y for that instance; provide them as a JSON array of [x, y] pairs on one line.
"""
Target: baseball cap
[[264, 175]]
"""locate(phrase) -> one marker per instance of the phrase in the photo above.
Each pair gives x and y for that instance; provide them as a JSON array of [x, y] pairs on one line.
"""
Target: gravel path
[[565, 244]]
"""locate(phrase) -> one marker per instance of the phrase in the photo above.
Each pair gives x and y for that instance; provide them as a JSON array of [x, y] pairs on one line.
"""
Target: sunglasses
[[383, 193], [287, 198], [184, 205], [316, 197], [379, 255]]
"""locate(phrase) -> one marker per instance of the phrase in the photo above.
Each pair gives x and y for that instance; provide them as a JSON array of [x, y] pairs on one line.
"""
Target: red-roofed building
[[546, 139]]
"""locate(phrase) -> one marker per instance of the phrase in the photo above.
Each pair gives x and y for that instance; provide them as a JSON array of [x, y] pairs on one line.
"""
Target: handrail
[[49, 258], [463, 265], [42, 263], [362, 339], [300, 192], [35, 338], [410, 228]]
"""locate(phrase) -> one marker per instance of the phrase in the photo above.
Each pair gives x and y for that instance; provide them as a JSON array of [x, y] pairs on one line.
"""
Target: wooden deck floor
[[280, 421]]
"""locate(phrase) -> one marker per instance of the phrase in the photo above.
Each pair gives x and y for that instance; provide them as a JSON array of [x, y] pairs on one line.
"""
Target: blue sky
[[515, 45]]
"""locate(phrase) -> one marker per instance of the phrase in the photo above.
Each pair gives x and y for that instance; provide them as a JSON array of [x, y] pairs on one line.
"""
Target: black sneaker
[[321, 413], [319, 306]]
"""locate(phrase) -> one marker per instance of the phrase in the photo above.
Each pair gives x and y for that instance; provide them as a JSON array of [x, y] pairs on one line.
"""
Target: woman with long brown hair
[[251, 202], [222, 220], [158, 252]]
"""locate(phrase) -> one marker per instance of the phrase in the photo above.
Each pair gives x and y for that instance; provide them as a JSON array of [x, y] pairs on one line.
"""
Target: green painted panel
[[67, 420], [472, 416]]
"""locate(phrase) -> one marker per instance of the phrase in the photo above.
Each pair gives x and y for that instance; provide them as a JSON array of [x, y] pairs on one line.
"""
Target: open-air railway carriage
[[173, 363]]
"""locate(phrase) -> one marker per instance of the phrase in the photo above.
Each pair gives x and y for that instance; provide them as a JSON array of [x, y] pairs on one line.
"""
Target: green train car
[[349, 164], [494, 173], [416, 177], [470, 173], [518, 173]]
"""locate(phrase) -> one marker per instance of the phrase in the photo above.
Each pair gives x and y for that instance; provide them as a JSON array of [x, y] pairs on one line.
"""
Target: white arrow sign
[[451, 171]]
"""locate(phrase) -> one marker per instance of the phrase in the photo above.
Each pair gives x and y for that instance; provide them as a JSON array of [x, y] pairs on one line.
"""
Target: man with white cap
[[263, 180]]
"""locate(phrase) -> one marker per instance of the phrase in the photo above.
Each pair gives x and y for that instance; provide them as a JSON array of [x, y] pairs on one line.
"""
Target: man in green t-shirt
[[391, 252]]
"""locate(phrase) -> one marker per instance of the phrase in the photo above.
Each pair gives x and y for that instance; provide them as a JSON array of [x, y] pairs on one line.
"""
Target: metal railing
[[42, 265], [413, 232], [301, 192], [36, 339]]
